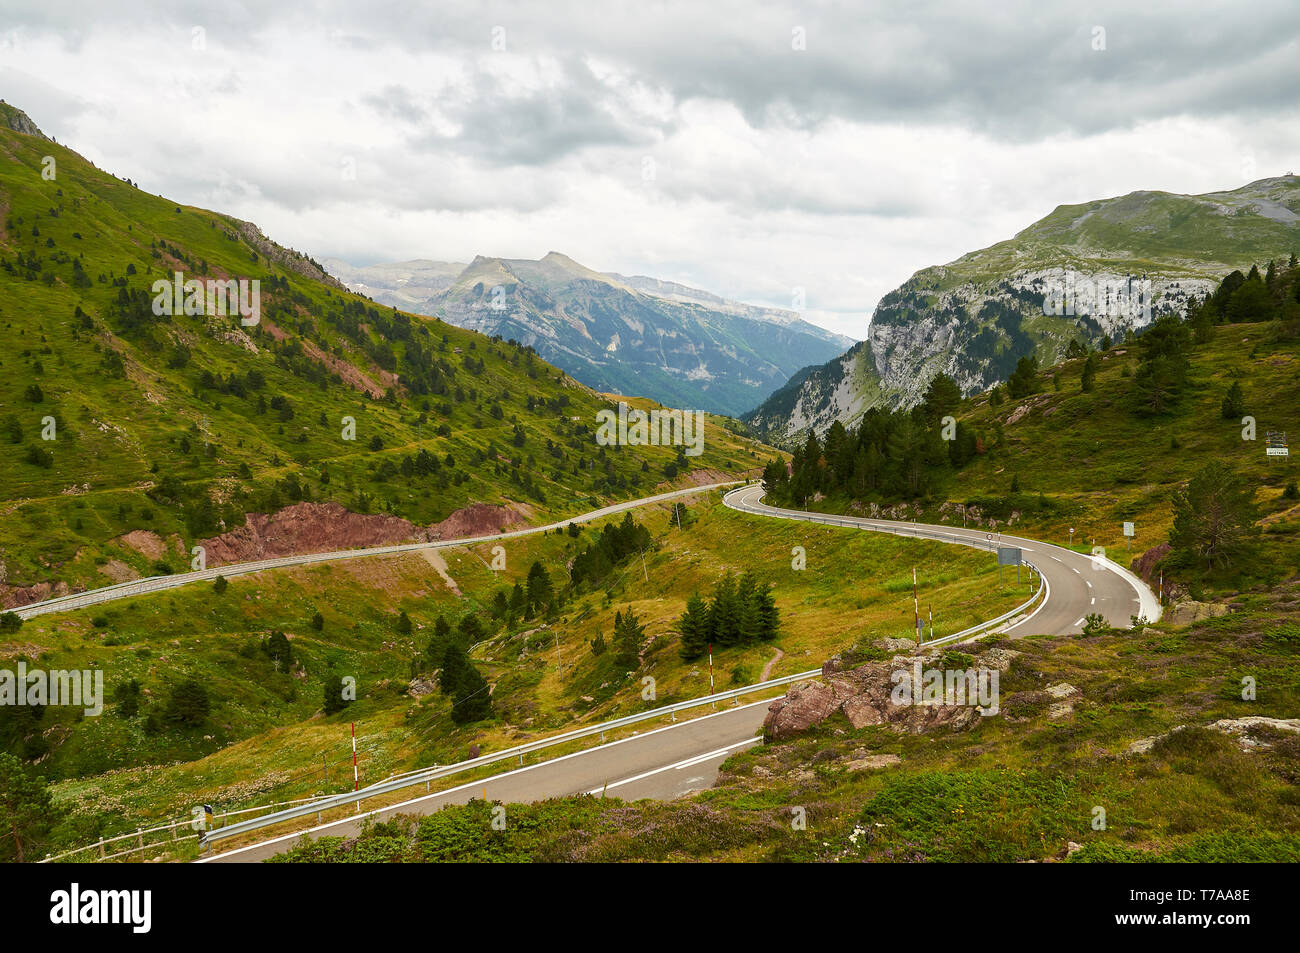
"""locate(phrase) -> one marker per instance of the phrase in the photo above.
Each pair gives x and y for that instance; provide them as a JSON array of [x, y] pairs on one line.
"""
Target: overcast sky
[[749, 149]]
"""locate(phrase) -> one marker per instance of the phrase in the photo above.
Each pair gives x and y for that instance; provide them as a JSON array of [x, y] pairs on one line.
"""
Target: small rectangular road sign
[[1008, 556], [1128, 529]]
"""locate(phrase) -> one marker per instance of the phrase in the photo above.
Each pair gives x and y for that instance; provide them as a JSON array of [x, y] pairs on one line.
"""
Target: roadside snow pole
[[356, 783], [916, 605], [710, 668]]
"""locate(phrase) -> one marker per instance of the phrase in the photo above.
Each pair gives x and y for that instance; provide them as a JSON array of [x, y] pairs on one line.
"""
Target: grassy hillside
[[1024, 785], [1145, 254], [1057, 456], [180, 425], [265, 738]]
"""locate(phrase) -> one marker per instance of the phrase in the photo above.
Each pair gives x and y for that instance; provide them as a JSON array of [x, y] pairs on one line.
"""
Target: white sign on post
[[1128, 529]]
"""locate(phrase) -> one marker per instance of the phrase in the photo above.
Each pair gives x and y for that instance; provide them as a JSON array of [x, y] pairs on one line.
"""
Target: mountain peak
[[14, 118]]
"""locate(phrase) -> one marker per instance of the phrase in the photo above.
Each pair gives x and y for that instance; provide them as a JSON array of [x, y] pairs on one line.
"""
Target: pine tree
[[748, 620], [768, 614], [628, 633], [26, 810], [189, 704], [518, 601], [941, 398], [1214, 519], [541, 592], [280, 651], [693, 627], [468, 690], [404, 623], [724, 614], [1234, 402], [334, 701], [469, 631]]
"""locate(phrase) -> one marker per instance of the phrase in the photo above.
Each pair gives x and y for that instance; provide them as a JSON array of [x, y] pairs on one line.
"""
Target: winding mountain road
[[681, 758], [1078, 584], [138, 587]]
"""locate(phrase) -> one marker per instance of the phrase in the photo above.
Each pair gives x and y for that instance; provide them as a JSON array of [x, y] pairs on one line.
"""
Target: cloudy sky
[[750, 149]]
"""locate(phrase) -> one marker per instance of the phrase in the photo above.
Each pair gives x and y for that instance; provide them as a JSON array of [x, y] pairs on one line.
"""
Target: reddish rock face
[[325, 527], [15, 597], [1145, 564], [865, 696], [803, 706]]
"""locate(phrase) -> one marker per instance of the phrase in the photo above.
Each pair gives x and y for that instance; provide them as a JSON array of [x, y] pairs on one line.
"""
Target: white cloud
[[888, 145]]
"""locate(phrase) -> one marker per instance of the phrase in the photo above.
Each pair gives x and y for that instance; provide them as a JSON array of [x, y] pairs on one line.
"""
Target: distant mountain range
[[628, 335], [1144, 253]]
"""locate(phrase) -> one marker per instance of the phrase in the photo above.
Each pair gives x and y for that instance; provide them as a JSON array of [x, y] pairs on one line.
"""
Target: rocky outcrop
[[13, 597], [477, 519], [1063, 278], [865, 696], [1243, 729], [1181, 613], [17, 120], [294, 261], [326, 527]]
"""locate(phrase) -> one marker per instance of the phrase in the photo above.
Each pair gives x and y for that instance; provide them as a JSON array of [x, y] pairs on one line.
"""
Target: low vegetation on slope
[[129, 436], [1104, 438], [1142, 750], [553, 661]]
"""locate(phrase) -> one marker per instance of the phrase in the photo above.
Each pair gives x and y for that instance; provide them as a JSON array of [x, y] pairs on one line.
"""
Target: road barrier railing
[[428, 775], [137, 587], [731, 500], [141, 845]]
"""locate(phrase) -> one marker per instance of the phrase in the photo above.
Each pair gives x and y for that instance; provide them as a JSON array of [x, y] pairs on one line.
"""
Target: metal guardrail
[[1043, 588], [890, 526], [135, 587], [139, 835], [425, 775]]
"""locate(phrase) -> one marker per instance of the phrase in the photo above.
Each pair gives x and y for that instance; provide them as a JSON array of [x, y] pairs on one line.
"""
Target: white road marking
[[689, 762], [476, 785]]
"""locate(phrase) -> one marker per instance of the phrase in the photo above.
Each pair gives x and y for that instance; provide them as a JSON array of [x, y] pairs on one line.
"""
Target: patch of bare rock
[[864, 696], [1243, 729]]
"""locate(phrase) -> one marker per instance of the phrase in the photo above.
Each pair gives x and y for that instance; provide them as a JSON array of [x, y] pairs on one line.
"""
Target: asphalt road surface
[[137, 587], [682, 758], [1078, 584], [663, 763]]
